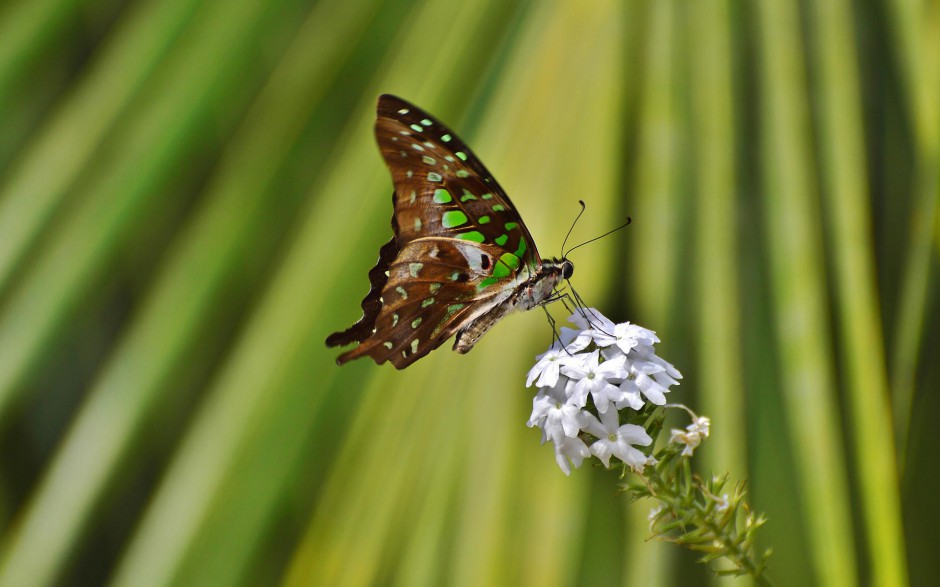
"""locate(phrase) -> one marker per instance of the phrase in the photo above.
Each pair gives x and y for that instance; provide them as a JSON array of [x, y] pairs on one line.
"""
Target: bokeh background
[[190, 199]]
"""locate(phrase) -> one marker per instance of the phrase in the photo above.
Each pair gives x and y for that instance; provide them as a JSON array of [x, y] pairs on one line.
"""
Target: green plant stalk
[[795, 245], [44, 176], [693, 506], [845, 190], [95, 444], [713, 103], [917, 45]]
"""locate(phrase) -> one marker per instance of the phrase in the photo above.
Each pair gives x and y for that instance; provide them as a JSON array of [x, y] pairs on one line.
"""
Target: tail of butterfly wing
[[371, 305]]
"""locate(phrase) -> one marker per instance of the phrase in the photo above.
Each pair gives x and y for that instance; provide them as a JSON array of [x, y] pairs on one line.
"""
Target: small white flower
[[546, 367], [590, 376], [700, 426], [723, 504], [541, 404], [667, 373], [615, 440], [639, 381], [552, 413], [574, 340], [547, 364], [691, 442], [571, 450], [692, 436], [624, 336]]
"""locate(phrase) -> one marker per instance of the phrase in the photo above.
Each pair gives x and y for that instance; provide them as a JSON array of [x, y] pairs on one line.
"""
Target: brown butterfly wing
[[441, 187], [435, 286], [459, 248]]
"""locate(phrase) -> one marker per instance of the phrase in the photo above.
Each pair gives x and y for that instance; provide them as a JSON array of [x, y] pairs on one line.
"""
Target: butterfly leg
[[553, 325]]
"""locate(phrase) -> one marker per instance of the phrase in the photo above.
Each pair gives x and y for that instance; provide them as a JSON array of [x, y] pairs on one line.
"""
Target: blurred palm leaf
[[190, 199]]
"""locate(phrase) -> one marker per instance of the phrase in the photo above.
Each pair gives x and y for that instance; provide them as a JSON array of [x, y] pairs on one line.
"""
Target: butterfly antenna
[[576, 218], [609, 232]]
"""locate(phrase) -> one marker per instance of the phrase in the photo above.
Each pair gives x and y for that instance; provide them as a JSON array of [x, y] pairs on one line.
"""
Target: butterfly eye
[[567, 269]]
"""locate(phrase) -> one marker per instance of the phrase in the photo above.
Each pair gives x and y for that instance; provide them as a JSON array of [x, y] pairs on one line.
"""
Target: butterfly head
[[557, 270]]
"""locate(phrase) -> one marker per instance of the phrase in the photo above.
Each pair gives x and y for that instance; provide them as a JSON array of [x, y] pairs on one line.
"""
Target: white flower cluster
[[615, 366]]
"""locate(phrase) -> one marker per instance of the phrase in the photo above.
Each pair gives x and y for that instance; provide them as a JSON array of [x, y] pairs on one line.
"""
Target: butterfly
[[460, 259]]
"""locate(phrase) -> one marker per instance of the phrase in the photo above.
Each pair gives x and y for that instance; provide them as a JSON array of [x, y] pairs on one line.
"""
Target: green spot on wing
[[498, 208], [487, 282], [462, 173], [394, 320], [501, 239], [510, 260], [521, 250], [500, 269], [417, 127], [483, 219], [487, 196], [416, 322], [434, 176], [511, 225], [442, 196], [417, 225], [461, 155], [453, 218], [401, 291], [427, 302], [415, 268], [434, 287], [387, 345], [429, 160], [414, 346], [454, 308], [474, 235], [467, 195], [426, 122], [446, 138]]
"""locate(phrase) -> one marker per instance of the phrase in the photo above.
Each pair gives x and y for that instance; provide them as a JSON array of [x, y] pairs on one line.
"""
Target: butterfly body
[[461, 258], [530, 293]]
